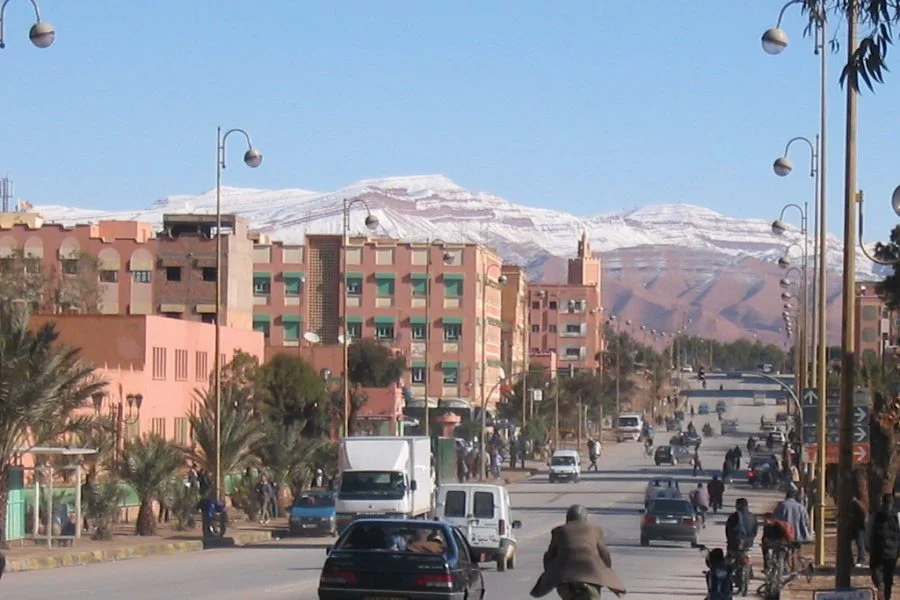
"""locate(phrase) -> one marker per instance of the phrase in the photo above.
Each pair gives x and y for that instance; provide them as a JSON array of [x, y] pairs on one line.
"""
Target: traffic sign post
[[810, 401]]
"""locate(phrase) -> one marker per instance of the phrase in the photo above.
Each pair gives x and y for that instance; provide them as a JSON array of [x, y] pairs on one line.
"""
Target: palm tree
[[41, 383], [147, 463], [241, 429], [288, 456]]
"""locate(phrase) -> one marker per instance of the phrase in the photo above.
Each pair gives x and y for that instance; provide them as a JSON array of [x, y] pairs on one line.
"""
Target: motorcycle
[[707, 430], [214, 516], [719, 574]]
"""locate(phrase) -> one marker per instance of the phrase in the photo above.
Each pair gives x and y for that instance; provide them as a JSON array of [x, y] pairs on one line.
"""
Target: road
[[286, 569]]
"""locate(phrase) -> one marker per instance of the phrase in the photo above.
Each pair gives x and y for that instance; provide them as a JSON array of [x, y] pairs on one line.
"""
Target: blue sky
[[590, 106]]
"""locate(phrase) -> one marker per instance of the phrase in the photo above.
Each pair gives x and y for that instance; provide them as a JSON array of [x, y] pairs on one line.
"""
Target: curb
[[87, 557]]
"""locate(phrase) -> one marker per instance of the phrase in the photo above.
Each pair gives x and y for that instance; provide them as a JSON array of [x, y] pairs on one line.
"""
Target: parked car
[[729, 426], [661, 487], [665, 455], [777, 438], [679, 415], [313, 513], [565, 465], [703, 409], [721, 406], [670, 519], [687, 369], [482, 512], [410, 559]]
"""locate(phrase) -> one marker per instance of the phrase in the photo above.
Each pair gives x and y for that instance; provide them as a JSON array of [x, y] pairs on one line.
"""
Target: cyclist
[[700, 500], [775, 533], [792, 512], [648, 445], [740, 532]]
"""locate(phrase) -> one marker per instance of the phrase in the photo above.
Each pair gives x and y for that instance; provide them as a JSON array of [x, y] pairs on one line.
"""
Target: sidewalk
[[125, 545]]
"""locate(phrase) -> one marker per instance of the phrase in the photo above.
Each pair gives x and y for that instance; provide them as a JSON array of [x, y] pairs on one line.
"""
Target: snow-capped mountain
[[649, 243]]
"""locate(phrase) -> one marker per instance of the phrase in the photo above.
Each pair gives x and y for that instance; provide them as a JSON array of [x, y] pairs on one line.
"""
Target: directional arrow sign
[[860, 434], [810, 397], [861, 415], [861, 453]]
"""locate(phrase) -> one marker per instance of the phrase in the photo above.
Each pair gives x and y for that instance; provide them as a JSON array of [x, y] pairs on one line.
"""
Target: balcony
[[450, 348], [385, 302]]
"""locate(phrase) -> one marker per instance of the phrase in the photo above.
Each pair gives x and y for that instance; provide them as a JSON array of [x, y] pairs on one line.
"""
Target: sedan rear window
[[671, 507]]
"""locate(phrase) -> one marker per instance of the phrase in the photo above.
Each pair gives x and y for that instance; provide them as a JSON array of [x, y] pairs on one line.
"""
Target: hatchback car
[[729, 426], [313, 513], [721, 406], [670, 519], [673, 425], [665, 455]]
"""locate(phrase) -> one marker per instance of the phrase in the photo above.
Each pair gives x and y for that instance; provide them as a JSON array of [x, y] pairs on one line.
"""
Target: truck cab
[[629, 427]]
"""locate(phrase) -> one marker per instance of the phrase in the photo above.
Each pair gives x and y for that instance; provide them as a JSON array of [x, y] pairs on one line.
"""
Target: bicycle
[[743, 570], [777, 575]]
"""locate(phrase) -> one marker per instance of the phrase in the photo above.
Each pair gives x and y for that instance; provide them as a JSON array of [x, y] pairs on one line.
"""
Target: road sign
[[810, 409], [537, 395], [860, 453], [846, 594]]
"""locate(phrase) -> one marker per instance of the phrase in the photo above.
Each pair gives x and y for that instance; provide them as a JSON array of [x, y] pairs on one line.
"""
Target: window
[[419, 288], [354, 330], [417, 374], [293, 285], [536, 305], [452, 332], [70, 266], [384, 331], [201, 371], [209, 273], [158, 427], [573, 328], [292, 331], [159, 362], [385, 286], [535, 329], [140, 276], [262, 326], [384, 256], [182, 431], [209, 318], [868, 335], [552, 305], [453, 288], [418, 331], [181, 365], [262, 285], [573, 352], [108, 276], [354, 286], [455, 504], [465, 551], [869, 313], [451, 375], [551, 328], [173, 273], [483, 505]]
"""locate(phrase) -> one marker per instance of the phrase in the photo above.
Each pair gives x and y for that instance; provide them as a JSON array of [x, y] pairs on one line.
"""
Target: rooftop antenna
[[6, 192]]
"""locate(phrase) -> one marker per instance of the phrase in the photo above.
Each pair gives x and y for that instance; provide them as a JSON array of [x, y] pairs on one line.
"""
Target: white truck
[[629, 426], [384, 477]]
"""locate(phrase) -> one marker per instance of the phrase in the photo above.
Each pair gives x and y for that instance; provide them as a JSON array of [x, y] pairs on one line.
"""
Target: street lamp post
[[446, 257], [615, 324], [501, 280], [344, 339], [252, 158], [41, 33], [778, 227], [774, 41], [526, 320]]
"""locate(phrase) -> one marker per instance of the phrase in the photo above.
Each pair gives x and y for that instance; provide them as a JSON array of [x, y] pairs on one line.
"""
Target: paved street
[[281, 570]]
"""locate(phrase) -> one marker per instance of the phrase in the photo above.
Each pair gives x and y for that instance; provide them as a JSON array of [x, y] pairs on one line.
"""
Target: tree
[[101, 505], [289, 390], [889, 287], [42, 383], [76, 286], [373, 364], [147, 463], [358, 399], [288, 455]]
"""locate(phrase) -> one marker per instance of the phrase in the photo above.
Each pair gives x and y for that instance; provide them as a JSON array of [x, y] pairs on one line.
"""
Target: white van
[[629, 426], [565, 465], [482, 511]]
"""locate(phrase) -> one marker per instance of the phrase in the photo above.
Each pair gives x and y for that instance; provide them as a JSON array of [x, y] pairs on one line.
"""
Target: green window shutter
[[449, 364], [384, 320], [292, 331], [453, 288], [262, 275], [418, 321], [454, 276], [289, 318], [385, 275], [354, 319], [261, 318], [384, 283], [452, 320], [293, 283], [353, 275], [419, 288], [419, 276], [417, 364]]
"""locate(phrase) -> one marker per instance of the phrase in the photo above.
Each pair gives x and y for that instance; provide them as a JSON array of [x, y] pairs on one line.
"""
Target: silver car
[[661, 487]]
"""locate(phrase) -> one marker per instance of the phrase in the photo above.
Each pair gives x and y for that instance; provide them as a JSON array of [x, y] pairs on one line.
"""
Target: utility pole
[[848, 335]]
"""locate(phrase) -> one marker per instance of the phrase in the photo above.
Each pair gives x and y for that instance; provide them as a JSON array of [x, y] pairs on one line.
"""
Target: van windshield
[[372, 484], [562, 461], [628, 422]]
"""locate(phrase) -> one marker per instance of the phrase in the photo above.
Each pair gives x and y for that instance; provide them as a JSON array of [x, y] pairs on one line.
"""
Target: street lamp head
[[784, 262], [253, 158], [786, 314], [788, 306], [502, 279], [895, 200], [42, 34], [774, 41], [782, 166], [371, 221], [785, 283], [778, 227], [447, 258]]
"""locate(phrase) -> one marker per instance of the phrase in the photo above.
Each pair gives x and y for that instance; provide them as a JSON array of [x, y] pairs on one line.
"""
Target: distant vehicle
[[778, 438], [781, 400], [760, 466], [687, 369], [679, 415], [782, 418], [661, 487], [766, 429], [721, 406], [400, 558], [703, 409], [565, 465], [665, 455], [759, 399], [766, 367], [313, 513], [673, 425], [629, 427], [670, 519], [691, 438], [729, 426]]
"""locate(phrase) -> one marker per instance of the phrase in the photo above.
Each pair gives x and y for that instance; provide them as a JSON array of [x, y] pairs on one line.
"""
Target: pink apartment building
[[299, 289], [161, 360]]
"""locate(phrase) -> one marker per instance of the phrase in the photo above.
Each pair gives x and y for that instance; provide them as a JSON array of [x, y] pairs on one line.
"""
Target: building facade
[[161, 360], [567, 319], [877, 327], [515, 313]]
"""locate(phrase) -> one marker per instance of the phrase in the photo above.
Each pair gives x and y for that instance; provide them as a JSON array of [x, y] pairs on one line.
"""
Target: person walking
[[700, 500], [698, 466], [716, 489], [885, 546], [577, 563], [593, 454], [858, 515], [264, 498]]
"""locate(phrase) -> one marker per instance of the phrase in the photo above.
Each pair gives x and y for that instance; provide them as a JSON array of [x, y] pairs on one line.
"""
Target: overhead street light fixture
[[774, 40], [778, 227], [783, 166], [784, 262], [785, 283]]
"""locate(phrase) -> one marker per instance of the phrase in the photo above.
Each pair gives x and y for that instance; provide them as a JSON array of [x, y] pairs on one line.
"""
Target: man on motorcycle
[[719, 578], [740, 530], [775, 533], [716, 489]]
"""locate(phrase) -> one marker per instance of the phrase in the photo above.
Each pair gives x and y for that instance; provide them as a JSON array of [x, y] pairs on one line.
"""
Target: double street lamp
[[41, 33], [252, 158]]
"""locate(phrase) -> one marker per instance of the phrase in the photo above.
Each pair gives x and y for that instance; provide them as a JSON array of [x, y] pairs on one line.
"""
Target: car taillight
[[750, 473], [648, 520], [333, 576], [436, 580], [689, 521], [501, 527]]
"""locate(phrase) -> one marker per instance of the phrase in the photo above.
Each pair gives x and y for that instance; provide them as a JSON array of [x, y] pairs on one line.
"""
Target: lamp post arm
[[784, 9], [225, 139], [814, 153], [862, 246], [37, 17], [792, 205]]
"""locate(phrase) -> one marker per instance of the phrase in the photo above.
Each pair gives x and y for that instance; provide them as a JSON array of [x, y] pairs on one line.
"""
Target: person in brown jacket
[[577, 563]]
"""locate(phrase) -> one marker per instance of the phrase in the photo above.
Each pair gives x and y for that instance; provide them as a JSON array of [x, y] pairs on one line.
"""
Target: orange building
[[877, 327], [159, 360]]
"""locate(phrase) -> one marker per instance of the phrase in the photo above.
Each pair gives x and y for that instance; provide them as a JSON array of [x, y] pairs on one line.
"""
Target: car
[[729, 426], [759, 399], [665, 455], [766, 429], [670, 519], [679, 415], [777, 438], [313, 513], [781, 400], [395, 558], [721, 406], [703, 409], [691, 438], [673, 425], [661, 487], [565, 465], [687, 369], [783, 418], [760, 464]]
